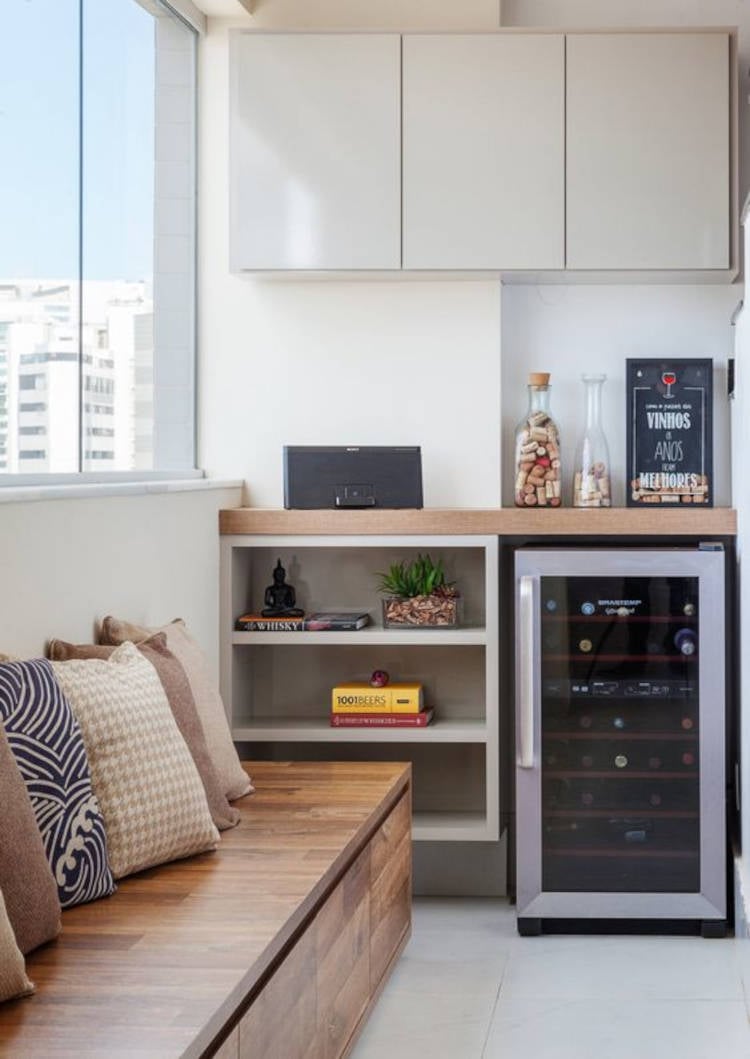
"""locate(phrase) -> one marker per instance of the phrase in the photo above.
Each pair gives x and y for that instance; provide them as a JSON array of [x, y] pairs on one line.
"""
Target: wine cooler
[[620, 736]]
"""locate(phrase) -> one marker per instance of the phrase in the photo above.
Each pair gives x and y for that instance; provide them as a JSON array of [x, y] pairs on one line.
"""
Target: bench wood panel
[[320, 996]]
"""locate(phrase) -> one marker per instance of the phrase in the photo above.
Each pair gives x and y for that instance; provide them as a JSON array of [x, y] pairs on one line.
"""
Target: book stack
[[323, 621], [359, 705]]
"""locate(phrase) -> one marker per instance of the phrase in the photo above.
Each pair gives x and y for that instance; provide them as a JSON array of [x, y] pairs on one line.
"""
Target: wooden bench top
[[160, 968]]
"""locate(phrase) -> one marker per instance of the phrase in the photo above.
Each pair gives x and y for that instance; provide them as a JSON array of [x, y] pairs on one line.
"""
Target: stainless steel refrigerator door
[[709, 899]]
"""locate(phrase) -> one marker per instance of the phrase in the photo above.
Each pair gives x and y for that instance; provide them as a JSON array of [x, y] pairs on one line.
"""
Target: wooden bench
[[273, 947]]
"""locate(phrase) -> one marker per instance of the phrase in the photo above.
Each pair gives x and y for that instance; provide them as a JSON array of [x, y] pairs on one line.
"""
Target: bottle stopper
[[539, 378]]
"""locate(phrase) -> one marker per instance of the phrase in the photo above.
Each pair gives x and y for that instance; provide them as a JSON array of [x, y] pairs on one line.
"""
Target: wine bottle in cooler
[[685, 641]]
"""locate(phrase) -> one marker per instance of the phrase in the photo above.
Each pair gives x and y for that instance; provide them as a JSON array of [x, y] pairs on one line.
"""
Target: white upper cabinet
[[512, 152], [483, 151], [648, 151], [315, 151]]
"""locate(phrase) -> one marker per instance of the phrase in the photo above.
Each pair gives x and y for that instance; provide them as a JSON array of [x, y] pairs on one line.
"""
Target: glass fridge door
[[619, 754]]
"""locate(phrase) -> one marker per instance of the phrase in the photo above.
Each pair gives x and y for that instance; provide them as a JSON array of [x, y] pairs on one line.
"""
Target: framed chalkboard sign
[[670, 432]]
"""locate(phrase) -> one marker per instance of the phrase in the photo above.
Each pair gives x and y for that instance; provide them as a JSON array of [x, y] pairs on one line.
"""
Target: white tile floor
[[467, 987]]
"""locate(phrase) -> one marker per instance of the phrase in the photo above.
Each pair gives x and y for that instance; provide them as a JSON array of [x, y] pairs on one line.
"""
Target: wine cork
[[591, 486], [539, 378]]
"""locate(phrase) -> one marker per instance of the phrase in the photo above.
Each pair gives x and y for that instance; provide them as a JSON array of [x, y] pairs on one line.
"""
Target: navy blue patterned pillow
[[47, 745]]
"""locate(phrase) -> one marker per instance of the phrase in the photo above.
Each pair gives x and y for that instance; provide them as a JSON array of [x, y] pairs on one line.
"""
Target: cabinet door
[[483, 151], [315, 145], [648, 151]]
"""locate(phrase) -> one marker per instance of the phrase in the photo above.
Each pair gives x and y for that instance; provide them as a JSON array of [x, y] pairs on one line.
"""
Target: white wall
[[571, 330], [340, 362], [64, 564]]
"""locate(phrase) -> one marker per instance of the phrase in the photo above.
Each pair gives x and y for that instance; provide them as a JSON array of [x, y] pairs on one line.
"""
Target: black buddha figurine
[[280, 598]]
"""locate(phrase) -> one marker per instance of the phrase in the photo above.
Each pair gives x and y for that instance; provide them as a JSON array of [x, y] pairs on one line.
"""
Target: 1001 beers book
[[360, 697]]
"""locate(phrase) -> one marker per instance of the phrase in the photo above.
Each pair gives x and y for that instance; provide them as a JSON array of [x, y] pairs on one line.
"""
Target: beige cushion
[[180, 698], [30, 890], [13, 980], [234, 779], [148, 787]]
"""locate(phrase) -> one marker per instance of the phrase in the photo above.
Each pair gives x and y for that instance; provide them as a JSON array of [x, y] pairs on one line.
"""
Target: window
[[97, 255]]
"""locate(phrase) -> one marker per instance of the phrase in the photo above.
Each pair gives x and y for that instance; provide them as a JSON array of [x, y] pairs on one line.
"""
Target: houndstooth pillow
[[213, 718], [151, 796]]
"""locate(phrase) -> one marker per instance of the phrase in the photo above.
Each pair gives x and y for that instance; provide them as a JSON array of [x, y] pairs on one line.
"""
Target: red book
[[382, 720]]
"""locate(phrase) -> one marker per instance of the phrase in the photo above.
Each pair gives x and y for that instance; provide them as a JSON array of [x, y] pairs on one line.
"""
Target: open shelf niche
[[277, 686]]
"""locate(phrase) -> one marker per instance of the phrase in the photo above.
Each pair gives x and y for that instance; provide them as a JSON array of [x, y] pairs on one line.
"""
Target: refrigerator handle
[[527, 674]]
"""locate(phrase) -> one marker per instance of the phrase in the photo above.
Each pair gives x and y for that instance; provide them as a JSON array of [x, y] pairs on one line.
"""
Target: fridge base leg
[[529, 926], [714, 928]]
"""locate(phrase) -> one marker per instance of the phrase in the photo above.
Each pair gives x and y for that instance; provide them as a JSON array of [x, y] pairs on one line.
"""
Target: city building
[[52, 372]]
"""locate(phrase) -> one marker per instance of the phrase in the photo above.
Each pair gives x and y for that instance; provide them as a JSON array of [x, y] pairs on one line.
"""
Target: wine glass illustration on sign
[[669, 378]]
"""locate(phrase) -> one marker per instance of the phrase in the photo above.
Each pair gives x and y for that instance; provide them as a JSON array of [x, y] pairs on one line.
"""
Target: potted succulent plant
[[417, 594]]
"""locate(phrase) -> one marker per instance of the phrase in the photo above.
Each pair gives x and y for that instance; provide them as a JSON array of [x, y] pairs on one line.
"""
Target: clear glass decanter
[[591, 482], [537, 450]]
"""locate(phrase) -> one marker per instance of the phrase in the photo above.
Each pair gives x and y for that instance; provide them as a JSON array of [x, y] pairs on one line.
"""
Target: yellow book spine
[[364, 699]]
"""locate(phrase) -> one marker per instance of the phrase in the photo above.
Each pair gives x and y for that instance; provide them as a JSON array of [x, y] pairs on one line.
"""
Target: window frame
[[194, 20]]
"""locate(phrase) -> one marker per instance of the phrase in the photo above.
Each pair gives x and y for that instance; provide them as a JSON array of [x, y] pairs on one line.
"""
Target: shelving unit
[[277, 685]]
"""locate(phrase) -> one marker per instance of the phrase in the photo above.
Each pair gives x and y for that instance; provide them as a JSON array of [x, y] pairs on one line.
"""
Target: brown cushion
[[234, 780], [148, 787], [31, 899], [13, 980], [177, 688]]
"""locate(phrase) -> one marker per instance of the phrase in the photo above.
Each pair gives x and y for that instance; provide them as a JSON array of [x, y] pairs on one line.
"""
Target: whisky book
[[360, 697], [382, 720], [257, 623], [322, 621]]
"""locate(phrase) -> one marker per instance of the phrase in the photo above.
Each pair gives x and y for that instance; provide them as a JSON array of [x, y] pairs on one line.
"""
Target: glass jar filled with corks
[[537, 451]]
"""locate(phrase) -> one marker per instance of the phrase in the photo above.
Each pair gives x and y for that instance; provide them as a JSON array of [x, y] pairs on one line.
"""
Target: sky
[[41, 150]]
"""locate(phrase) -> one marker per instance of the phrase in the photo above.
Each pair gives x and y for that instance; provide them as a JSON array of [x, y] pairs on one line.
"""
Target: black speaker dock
[[352, 476]]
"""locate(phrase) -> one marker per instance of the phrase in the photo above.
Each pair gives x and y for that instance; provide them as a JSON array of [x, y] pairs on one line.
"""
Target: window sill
[[28, 493]]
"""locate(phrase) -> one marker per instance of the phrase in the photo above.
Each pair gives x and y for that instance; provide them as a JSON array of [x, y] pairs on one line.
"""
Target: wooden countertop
[[159, 968], [654, 521]]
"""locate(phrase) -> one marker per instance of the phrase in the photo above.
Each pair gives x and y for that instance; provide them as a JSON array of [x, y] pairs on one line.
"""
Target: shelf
[[451, 827], [373, 634], [318, 730], [279, 699], [593, 657], [616, 774], [629, 619], [603, 735], [586, 814], [555, 522], [598, 851]]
